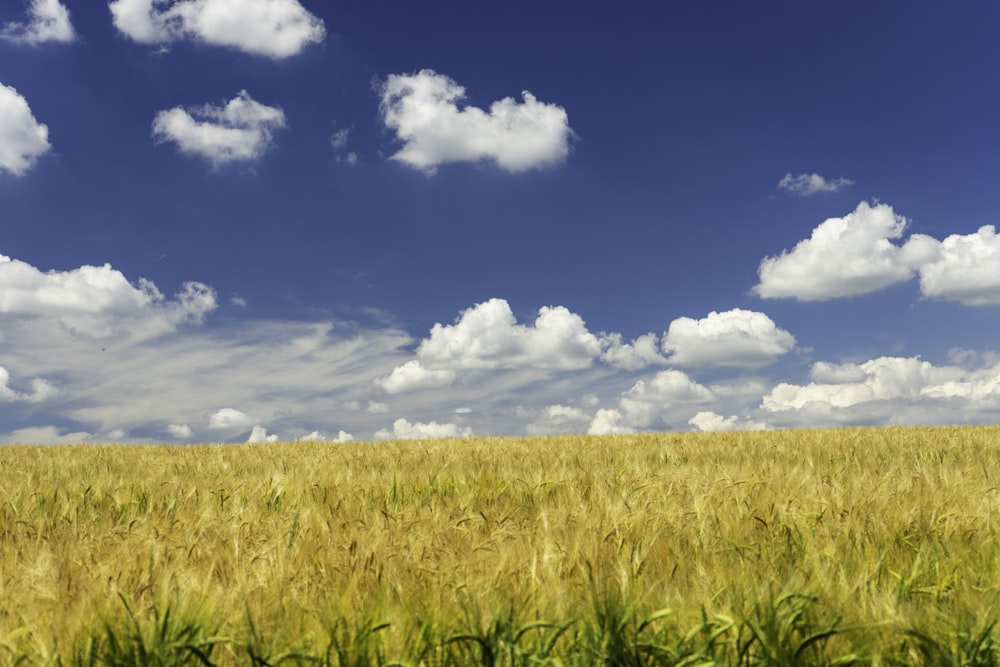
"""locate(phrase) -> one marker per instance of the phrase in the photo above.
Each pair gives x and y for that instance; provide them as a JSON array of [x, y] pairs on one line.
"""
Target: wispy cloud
[[805, 185]]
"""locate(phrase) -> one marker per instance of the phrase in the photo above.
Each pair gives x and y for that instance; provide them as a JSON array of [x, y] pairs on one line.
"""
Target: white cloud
[[856, 255], [88, 290], [708, 421], [960, 268], [422, 108], [229, 418], [556, 419], [971, 358], [272, 28], [98, 301], [22, 138], [887, 390], [279, 373], [316, 436], [805, 185], [41, 390], [339, 138], [846, 385], [487, 336], [732, 338], [404, 430], [180, 431], [652, 403], [609, 422], [843, 257], [259, 434], [638, 354], [48, 21], [240, 131], [136, 369], [412, 376], [339, 142]]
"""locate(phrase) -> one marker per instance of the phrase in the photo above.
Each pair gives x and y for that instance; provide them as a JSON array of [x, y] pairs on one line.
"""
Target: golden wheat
[[888, 529]]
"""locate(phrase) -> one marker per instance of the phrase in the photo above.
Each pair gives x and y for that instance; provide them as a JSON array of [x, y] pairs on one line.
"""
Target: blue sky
[[229, 221]]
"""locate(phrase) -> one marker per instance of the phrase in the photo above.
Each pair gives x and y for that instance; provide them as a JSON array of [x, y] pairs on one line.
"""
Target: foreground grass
[[853, 546]]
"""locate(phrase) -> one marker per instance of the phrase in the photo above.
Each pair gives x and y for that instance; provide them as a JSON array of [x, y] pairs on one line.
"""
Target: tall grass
[[852, 546]]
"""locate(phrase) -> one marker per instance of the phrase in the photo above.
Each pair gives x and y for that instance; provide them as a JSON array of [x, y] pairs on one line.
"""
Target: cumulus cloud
[[272, 28], [843, 257], [22, 138], [805, 185], [48, 21], [856, 255], [402, 429], [651, 403], [487, 336], [98, 301], [708, 421], [229, 418], [640, 353], [837, 386], [316, 436], [259, 434], [556, 419], [241, 131], [423, 110], [732, 338], [412, 376], [180, 431], [963, 268], [87, 290], [609, 422]]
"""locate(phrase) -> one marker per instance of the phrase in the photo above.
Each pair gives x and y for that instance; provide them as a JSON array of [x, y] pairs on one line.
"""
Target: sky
[[253, 220]]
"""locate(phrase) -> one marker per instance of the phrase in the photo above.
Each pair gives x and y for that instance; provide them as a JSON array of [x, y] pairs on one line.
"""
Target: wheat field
[[848, 546]]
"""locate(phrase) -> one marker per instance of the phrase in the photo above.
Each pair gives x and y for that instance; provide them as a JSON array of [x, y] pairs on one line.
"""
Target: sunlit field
[[852, 546]]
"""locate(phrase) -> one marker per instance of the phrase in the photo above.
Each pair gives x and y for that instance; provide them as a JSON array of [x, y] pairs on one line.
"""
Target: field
[[848, 546]]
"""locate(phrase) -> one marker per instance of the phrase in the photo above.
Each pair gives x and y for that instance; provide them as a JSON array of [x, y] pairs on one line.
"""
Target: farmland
[[863, 546]]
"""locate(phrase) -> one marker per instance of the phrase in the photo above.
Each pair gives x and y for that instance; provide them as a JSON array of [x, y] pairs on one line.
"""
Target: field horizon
[[819, 546]]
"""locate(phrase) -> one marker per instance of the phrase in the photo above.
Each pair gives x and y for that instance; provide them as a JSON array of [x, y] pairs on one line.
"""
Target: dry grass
[[886, 538]]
